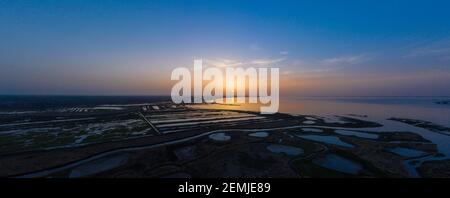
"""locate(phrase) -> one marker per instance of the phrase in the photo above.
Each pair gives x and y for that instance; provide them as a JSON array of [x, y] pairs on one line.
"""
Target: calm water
[[335, 162], [423, 108], [326, 139], [357, 134]]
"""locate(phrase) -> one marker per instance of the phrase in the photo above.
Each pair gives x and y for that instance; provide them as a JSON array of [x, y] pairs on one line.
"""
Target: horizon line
[[159, 95]]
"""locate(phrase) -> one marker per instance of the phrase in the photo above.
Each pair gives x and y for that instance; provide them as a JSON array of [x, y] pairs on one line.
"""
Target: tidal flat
[[162, 139]]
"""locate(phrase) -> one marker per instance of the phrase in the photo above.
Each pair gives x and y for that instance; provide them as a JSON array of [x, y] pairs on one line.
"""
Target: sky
[[323, 48]]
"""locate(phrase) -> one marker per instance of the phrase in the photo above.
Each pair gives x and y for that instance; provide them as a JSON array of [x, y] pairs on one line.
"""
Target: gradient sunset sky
[[323, 48]]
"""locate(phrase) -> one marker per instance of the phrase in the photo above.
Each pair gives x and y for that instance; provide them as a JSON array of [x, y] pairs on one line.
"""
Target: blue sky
[[130, 47]]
